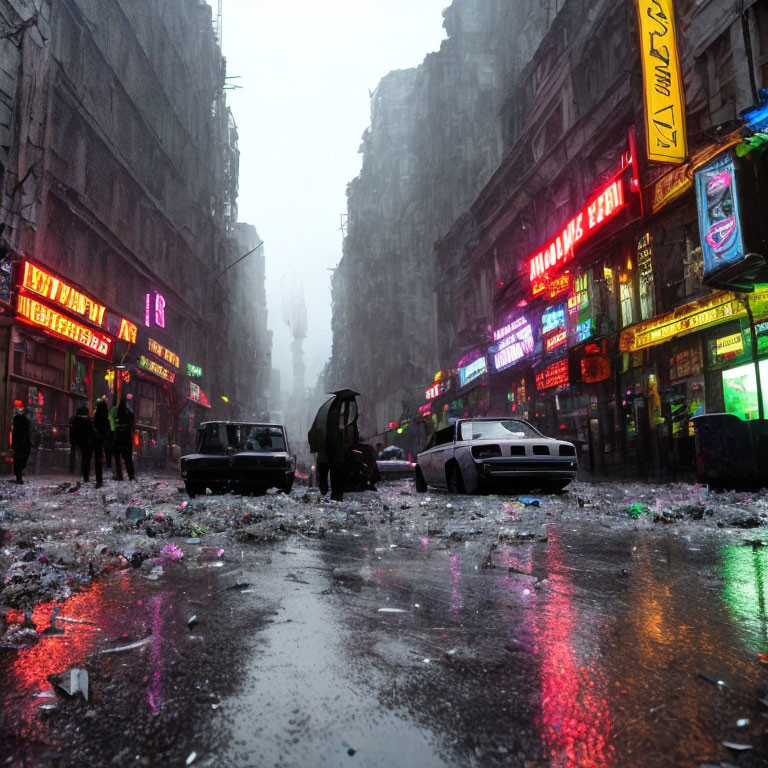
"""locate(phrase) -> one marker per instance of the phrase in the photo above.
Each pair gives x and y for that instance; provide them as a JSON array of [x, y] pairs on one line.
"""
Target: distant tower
[[219, 23], [295, 317]]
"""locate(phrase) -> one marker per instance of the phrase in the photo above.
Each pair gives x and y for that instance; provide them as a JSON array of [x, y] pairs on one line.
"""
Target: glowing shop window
[[740, 390]]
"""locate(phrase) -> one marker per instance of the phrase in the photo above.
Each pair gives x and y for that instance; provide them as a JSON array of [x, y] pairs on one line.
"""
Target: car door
[[441, 455]]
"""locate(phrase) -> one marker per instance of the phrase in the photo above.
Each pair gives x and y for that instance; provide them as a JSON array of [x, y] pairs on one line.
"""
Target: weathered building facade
[[119, 169], [433, 141], [570, 290]]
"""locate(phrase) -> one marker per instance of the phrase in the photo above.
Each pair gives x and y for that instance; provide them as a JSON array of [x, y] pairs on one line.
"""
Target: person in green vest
[[109, 440]]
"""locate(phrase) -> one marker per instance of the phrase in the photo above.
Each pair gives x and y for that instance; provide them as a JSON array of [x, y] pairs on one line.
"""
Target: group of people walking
[[109, 434]]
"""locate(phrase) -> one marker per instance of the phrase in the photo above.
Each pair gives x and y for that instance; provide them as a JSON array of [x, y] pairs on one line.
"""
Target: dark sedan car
[[236, 455]]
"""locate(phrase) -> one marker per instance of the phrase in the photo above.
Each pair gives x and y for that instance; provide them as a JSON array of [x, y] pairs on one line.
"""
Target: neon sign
[[45, 284], [559, 285], [196, 395], [685, 319], [516, 341], [35, 313], [473, 370], [157, 369], [584, 330], [437, 389], [559, 249], [510, 328], [555, 341], [127, 331], [425, 410], [154, 310], [553, 319], [164, 353], [555, 375], [194, 371]]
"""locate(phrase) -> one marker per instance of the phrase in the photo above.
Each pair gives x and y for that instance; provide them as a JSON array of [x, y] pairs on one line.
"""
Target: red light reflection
[[575, 720]]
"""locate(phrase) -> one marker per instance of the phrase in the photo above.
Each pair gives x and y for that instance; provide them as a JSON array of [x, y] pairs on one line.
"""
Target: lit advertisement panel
[[666, 140], [719, 216], [515, 341], [33, 312], [473, 370], [37, 280], [157, 369], [163, 353], [555, 375]]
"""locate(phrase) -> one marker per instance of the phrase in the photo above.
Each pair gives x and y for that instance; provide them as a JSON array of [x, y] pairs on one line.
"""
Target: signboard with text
[[665, 131]]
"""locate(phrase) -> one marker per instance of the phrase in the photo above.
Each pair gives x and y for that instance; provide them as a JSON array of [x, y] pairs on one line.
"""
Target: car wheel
[[556, 486], [286, 486], [421, 483], [193, 489], [455, 479]]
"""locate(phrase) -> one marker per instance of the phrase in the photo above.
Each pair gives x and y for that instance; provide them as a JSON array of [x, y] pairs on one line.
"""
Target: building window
[[645, 276], [761, 16], [625, 296]]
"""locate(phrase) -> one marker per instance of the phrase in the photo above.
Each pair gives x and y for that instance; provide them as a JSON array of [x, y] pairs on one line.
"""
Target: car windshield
[[503, 429], [260, 438], [212, 438], [216, 437]]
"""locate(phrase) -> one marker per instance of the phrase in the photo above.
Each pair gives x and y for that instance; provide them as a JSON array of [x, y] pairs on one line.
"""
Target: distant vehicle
[[392, 463], [241, 456], [475, 455]]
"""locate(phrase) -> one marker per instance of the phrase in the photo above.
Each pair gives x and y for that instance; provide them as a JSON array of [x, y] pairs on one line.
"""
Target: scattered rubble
[[57, 537]]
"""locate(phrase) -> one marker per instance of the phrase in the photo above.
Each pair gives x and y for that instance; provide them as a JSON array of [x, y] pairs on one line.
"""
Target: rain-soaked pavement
[[583, 644]]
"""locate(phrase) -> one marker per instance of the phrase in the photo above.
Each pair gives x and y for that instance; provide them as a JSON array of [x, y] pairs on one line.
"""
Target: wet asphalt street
[[584, 646]]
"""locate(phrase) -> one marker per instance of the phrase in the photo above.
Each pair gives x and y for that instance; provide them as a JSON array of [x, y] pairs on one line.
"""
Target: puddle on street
[[592, 649]]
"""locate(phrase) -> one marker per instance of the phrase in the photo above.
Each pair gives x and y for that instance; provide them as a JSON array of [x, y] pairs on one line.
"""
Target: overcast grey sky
[[305, 69]]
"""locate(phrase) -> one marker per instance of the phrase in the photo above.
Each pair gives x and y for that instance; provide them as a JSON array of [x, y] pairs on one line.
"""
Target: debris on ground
[[72, 682]]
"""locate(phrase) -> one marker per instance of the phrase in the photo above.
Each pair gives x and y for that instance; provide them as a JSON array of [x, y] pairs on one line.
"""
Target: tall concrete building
[[119, 169], [433, 142]]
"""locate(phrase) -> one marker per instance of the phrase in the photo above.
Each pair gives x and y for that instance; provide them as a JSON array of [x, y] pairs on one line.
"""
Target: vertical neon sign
[[154, 310]]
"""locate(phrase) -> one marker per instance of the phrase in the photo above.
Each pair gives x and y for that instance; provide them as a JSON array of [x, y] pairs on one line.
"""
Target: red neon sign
[[33, 312], [554, 375], [556, 340], [559, 250]]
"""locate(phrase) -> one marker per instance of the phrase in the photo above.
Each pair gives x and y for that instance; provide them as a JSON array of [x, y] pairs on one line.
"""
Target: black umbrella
[[345, 394]]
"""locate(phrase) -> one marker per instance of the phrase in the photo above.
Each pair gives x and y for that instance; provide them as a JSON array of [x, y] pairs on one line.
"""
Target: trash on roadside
[[742, 723], [710, 679], [172, 552], [71, 682], [191, 621], [52, 629], [129, 647], [737, 747], [191, 759], [392, 610], [636, 509], [192, 541], [530, 501], [136, 514]]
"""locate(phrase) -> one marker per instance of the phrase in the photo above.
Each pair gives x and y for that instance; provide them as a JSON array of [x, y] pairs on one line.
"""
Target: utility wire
[[234, 264]]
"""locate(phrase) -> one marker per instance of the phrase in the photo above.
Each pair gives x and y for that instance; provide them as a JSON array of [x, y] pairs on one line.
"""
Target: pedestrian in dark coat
[[82, 439], [124, 440], [101, 434], [21, 442]]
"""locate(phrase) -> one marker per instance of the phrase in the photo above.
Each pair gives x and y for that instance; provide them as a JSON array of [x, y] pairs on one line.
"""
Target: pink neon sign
[[154, 310]]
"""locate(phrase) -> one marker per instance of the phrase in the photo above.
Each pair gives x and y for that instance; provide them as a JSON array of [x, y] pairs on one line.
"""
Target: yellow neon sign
[[665, 133]]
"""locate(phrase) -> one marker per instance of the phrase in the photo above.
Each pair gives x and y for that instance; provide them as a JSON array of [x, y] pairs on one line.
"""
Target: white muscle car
[[473, 455]]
